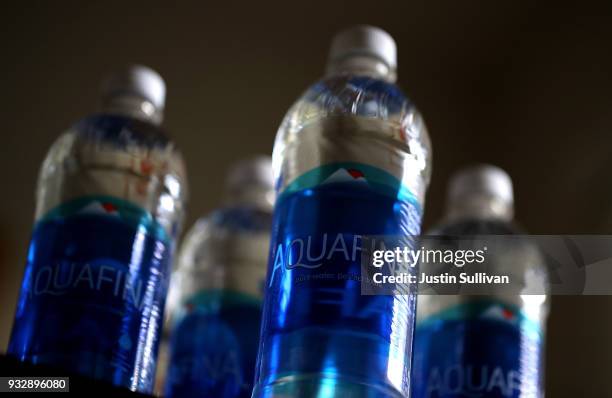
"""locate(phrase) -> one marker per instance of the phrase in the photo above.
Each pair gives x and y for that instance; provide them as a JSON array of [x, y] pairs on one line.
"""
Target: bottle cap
[[250, 172], [139, 81], [364, 40], [476, 185]]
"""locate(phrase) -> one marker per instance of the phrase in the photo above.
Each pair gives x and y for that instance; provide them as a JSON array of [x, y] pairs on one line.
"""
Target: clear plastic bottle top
[[480, 192], [120, 152], [356, 114]]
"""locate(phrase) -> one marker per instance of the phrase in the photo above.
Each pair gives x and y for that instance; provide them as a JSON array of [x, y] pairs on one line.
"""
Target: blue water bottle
[[216, 292], [351, 159], [484, 345], [110, 197]]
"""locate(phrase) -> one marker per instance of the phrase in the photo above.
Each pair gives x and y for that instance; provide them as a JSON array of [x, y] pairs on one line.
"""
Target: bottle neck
[[480, 208], [133, 106], [261, 198], [362, 65]]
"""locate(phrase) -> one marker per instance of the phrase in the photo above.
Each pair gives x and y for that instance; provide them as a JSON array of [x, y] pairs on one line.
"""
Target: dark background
[[524, 85]]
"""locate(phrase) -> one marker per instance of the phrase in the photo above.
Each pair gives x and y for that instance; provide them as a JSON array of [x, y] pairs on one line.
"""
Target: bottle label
[[214, 346], [349, 187], [478, 349], [350, 173], [315, 318], [93, 291]]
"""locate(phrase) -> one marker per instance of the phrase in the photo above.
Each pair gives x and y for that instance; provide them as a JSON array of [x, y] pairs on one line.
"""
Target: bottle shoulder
[[216, 236], [234, 219], [471, 227], [114, 141], [122, 131], [117, 156], [338, 117], [357, 96]]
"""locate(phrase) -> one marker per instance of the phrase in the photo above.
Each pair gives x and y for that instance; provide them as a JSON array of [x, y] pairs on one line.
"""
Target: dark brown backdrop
[[525, 85]]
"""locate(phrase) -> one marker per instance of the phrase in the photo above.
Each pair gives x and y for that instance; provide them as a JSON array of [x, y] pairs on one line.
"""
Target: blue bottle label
[[93, 291], [316, 321], [214, 346], [352, 173], [478, 349]]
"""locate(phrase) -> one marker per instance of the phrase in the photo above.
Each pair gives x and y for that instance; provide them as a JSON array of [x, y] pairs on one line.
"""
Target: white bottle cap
[[477, 188], [251, 172], [364, 40], [139, 81]]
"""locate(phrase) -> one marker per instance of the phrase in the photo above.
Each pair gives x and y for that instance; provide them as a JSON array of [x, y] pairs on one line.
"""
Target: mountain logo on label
[[346, 175], [500, 313], [105, 208]]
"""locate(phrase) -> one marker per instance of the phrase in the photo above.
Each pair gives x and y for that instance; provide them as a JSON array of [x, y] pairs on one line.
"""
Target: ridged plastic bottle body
[[485, 345], [215, 304], [351, 159], [110, 200]]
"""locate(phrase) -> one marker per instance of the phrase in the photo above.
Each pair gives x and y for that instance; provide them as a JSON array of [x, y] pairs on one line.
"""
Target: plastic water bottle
[[110, 198], [216, 293], [483, 345], [351, 158]]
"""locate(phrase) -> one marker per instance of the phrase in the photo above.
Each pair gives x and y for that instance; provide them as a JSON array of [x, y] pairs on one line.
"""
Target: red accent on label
[[146, 167], [507, 313], [355, 173], [109, 207]]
